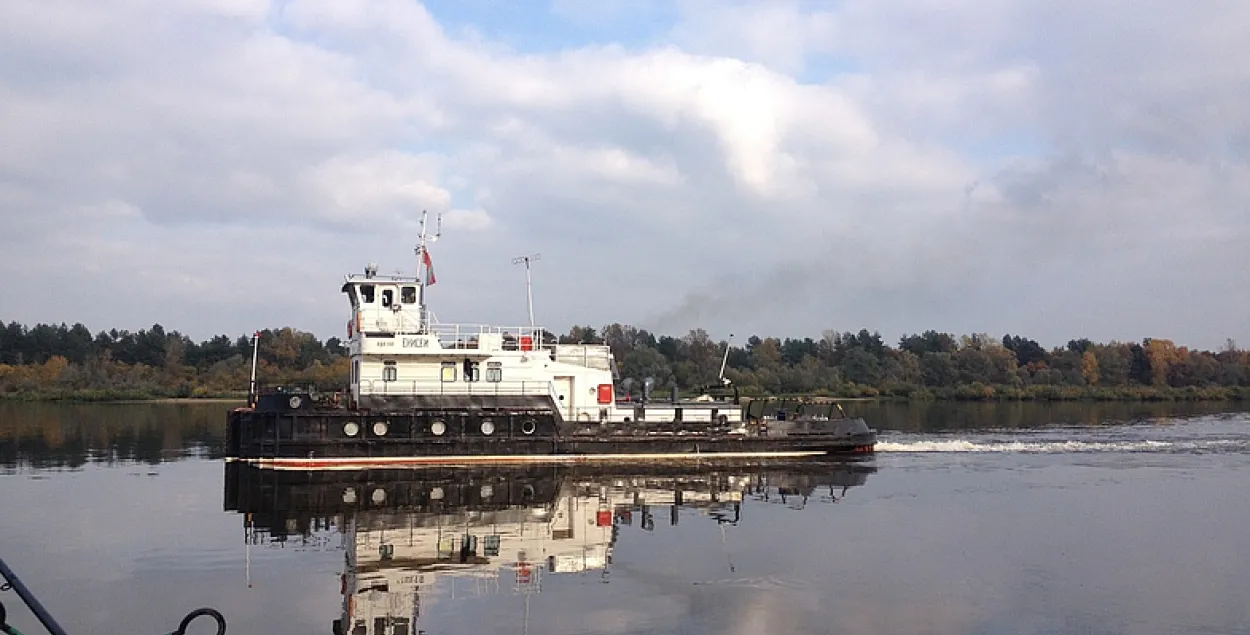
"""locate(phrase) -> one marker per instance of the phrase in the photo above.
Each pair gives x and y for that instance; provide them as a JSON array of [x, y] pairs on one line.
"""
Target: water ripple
[[1065, 447]]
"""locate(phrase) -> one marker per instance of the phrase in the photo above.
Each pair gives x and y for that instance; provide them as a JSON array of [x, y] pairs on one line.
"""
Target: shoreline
[[956, 395]]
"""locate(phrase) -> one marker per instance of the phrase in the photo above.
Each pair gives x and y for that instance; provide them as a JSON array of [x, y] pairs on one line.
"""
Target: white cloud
[[891, 166], [469, 219]]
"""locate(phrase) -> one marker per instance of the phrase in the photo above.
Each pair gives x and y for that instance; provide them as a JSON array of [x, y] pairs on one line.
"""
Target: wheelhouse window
[[366, 293], [388, 297], [408, 295], [389, 371], [449, 371], [494, 371], [472, 371]]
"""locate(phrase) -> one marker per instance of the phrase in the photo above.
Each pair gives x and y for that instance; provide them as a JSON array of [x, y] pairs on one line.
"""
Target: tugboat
[[424, 392]]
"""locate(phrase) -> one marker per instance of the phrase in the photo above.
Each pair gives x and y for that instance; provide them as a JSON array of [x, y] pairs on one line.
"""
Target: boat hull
[[354, 439]]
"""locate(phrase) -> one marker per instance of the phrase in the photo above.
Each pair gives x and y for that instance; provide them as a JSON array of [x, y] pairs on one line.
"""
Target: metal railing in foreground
[[11, 581]]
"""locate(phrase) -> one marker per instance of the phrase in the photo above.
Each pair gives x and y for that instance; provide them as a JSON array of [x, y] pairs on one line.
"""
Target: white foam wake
[[1055, 447]]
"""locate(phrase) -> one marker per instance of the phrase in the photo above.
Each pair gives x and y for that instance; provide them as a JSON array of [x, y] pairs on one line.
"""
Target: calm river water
[[1009, 518]]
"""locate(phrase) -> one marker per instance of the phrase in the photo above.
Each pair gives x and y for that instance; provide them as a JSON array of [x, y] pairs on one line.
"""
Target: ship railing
[[591, 356], [515, 388], [513, 337]]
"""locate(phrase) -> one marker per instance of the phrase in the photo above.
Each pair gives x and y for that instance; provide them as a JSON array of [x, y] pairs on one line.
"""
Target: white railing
[[475, 388], [588, 355], [467, 336]]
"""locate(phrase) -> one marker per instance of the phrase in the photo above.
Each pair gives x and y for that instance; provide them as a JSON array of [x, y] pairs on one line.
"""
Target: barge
[[423, 392]]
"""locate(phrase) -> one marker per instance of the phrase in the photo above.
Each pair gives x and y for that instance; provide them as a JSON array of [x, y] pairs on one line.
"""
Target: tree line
[[59, 361]]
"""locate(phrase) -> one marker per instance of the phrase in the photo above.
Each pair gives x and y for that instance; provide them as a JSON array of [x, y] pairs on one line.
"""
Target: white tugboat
[[421, 392]]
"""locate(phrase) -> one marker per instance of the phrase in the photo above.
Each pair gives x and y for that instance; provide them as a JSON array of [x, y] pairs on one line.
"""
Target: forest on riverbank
[[47, 362]]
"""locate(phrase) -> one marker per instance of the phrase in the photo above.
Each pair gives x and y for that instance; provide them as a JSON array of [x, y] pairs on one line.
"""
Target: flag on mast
[[429, 268]]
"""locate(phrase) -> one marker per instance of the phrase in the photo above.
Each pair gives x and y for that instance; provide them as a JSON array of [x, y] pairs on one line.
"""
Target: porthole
[[488, 427], [351, 428], [486, 492], [295, 401], [528, 427], [349, 495], [436, 494], [379, 496], [379, 429], [438, 428]]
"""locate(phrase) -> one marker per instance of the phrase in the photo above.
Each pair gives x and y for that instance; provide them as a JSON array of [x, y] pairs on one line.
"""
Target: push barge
[[423, 392]]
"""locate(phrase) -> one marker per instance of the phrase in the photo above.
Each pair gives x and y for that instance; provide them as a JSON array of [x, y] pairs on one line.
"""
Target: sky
[[1056, 170]]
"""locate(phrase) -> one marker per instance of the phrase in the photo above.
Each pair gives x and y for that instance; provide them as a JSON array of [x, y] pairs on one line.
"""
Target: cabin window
[[388, 297], [494, 371], [366, 293], [389, 371], [355, 371], [408, 295], [471, 371], [449, 371]]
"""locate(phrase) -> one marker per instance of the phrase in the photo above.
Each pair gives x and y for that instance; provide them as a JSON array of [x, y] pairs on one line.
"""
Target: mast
[[423, 269], [529, 288]]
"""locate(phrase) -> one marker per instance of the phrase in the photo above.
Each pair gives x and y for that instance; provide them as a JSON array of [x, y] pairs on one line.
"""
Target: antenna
[[529, 293], [252, 395]]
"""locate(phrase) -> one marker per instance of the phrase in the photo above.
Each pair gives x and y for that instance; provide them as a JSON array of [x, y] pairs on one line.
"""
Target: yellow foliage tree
[[52, 370], [1089, 368], [1162, 354]]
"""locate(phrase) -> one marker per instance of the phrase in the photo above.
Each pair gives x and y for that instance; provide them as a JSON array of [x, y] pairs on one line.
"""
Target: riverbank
[[990, 392], [896, 394], [118, 396]]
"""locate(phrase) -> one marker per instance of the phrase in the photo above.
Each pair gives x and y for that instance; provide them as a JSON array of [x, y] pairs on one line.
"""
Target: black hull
[[322, 438]]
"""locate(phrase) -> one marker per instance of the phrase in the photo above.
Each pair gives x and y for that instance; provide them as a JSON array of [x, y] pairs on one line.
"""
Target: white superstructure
[[401, 354]]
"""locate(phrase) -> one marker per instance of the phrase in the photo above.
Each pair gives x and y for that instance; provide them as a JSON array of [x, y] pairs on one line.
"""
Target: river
[[971, 518]]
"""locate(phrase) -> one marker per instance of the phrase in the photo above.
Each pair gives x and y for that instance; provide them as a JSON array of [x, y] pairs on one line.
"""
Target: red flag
[[429, 268]]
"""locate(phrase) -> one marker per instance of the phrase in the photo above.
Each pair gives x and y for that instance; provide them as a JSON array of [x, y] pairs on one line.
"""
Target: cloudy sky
[[779, 168]]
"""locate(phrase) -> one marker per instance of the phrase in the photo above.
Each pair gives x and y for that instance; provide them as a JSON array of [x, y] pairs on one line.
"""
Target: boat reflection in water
[[499, 529]]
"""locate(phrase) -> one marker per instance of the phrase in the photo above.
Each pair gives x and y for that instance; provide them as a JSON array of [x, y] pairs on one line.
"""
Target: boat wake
[[1065, 447]]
